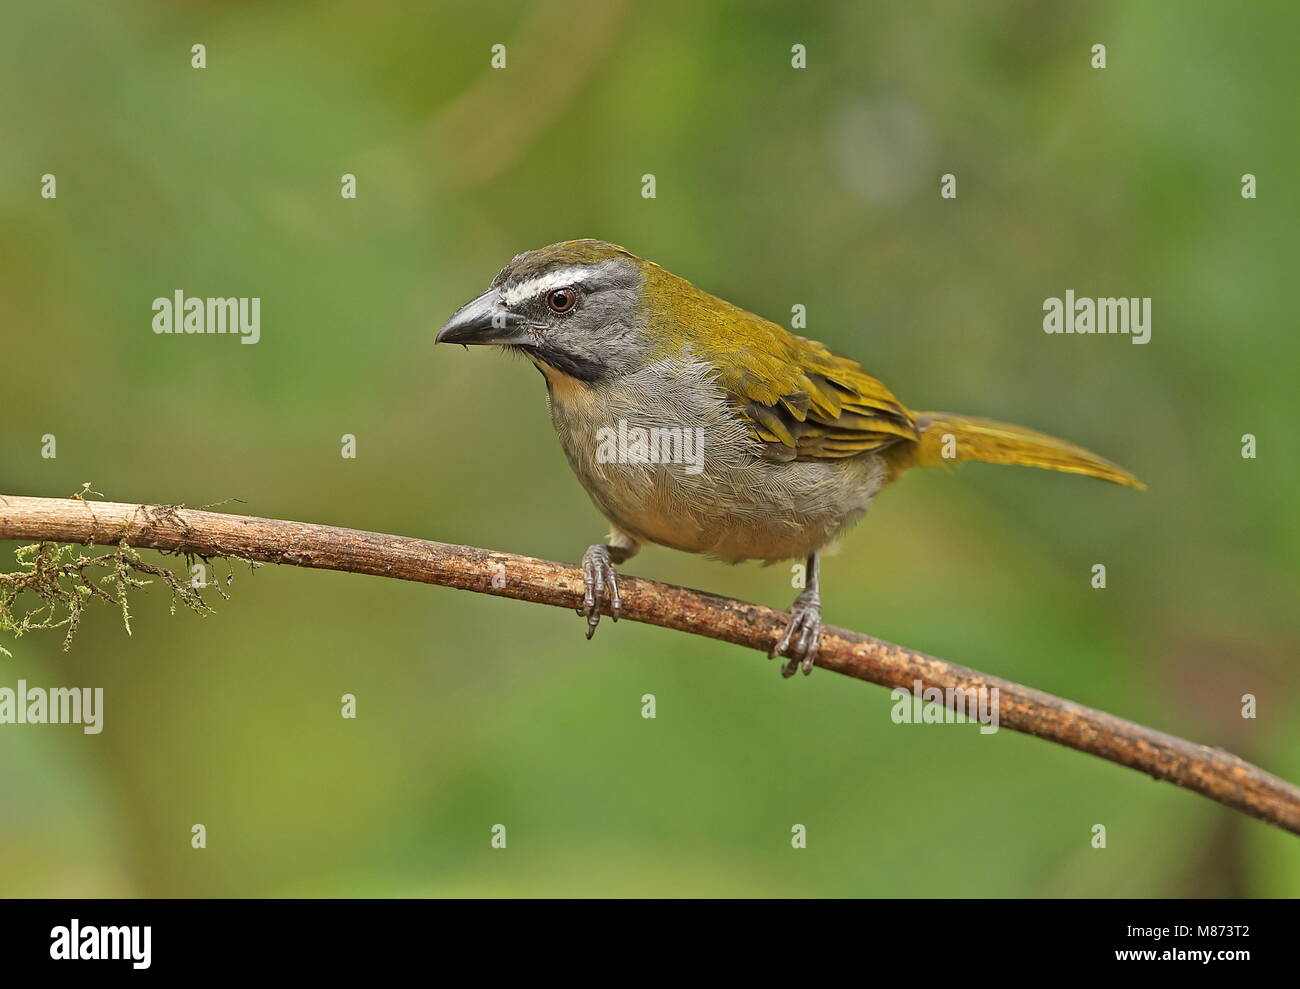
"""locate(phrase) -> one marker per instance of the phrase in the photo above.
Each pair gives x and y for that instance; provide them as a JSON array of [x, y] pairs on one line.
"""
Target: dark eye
[[561, 300]]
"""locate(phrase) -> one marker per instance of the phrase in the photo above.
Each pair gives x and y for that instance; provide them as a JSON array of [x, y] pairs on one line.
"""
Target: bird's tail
[[947, 438]]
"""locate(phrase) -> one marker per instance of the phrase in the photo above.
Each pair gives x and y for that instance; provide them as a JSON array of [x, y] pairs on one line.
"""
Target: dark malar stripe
[[575, 367]]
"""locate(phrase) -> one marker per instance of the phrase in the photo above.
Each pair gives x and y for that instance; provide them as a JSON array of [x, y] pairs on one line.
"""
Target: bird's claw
[[598, 574], [803, 635]]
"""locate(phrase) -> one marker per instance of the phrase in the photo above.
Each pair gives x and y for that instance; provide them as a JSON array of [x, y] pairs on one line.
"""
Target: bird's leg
[[803, 635], [598, 574]]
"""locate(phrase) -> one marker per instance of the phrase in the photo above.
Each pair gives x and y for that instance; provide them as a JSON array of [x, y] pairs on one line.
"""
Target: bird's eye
[[561, 300]]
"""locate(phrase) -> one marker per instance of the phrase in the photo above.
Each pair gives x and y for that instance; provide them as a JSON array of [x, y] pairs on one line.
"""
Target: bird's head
[[576, 307]]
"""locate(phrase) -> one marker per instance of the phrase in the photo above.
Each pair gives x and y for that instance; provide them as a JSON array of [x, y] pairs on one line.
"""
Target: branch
[[1211, 772]]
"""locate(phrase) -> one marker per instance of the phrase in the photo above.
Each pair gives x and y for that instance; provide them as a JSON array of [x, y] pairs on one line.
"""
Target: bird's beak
[[485, 320]]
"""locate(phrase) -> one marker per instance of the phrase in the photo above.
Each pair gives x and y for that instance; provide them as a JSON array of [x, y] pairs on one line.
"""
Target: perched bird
[[774, 443]]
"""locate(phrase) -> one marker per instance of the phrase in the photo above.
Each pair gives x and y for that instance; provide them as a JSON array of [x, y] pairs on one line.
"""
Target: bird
[[700, 426]]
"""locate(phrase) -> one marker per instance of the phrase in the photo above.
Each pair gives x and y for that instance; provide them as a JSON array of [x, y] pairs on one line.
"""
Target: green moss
[[54, 582]]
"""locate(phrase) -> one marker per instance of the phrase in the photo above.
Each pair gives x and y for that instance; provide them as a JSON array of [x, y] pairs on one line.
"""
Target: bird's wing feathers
[[804, 401], [800, 399]]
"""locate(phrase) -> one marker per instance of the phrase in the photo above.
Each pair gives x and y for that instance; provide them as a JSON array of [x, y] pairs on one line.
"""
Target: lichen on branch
[[55, 581]]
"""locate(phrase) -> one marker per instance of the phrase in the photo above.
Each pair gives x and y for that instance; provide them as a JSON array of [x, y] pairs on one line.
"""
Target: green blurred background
[[775, 186]]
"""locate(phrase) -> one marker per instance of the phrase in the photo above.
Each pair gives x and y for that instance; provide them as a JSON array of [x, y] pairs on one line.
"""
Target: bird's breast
[[665, 457]]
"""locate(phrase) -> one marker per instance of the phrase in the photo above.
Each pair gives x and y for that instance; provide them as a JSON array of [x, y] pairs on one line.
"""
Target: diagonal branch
[[1211, 772]]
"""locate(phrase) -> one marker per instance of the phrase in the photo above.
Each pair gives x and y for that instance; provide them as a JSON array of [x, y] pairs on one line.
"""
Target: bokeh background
[[775, 186]]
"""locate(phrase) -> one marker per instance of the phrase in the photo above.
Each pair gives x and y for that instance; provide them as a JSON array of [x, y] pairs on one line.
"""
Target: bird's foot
[[802, 636], [597, 575]]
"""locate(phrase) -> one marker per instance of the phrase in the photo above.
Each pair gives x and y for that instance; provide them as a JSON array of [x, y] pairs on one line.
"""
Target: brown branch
[[1211, 772]]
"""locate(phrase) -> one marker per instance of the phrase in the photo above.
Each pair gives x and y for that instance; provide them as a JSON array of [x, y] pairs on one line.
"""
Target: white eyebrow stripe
[[560, 278]]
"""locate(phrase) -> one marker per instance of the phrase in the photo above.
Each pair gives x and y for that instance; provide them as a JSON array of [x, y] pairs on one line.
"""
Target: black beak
[[485, 320]]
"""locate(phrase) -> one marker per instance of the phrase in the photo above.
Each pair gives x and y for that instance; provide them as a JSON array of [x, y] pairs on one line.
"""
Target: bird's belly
[[768, 517], [690, 476]]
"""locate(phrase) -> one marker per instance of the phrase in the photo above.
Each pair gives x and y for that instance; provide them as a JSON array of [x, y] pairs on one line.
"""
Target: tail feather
[[946, 438]]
